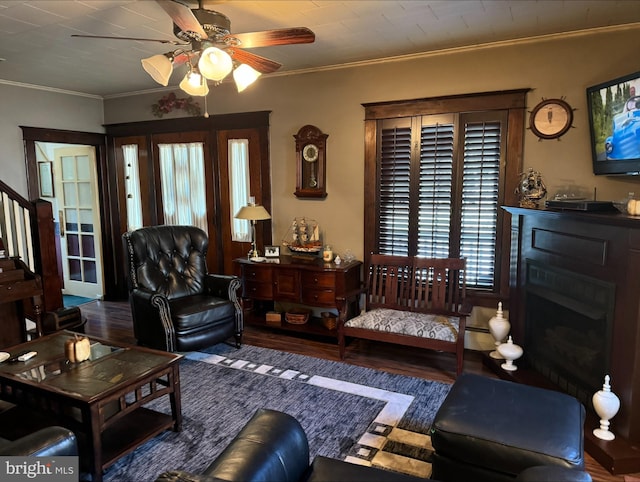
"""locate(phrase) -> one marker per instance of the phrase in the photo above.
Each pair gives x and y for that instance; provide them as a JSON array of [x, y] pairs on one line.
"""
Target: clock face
[[310, 153]]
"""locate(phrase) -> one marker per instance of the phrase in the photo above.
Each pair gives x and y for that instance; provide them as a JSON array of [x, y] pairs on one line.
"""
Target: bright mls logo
[[51, 469]]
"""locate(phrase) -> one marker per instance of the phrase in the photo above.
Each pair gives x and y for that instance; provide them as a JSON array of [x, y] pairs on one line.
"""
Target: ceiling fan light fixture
[[244, 76], [194, 84], [215, 64], [159, 67]]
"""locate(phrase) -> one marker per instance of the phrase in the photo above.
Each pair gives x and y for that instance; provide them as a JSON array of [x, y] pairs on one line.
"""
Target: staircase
[[27, 234]]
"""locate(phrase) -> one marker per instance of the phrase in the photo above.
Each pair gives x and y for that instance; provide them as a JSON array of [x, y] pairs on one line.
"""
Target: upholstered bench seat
[[411, 323]]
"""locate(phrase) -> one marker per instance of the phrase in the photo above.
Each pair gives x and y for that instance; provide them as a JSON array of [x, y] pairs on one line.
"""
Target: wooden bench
[[413, 301]]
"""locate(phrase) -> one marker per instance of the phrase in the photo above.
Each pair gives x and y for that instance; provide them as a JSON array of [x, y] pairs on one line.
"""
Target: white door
[[79, 218]]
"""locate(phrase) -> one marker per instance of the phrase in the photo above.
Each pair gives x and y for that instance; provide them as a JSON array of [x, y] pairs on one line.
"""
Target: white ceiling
[[37, 47]]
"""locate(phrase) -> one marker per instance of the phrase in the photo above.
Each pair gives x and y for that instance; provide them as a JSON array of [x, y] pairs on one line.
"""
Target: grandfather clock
[[311, 149]]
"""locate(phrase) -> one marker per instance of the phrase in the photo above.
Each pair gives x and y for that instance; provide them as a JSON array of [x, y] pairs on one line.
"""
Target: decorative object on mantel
[[499, 328], [606, 404], [551, 118], [510, 352], [303, 237], [531, 189], [171, 102]]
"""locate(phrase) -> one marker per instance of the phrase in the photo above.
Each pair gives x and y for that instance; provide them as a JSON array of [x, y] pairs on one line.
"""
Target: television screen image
[[614, 121]]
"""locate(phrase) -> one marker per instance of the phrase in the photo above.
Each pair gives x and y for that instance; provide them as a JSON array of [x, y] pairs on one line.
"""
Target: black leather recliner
[[176, 305]]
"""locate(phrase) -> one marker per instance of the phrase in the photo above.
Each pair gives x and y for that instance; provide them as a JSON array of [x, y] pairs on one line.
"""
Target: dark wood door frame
[[258, 121], [30, 136]]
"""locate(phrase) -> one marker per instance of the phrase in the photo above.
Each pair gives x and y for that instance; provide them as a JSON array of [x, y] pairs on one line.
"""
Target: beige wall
[[331, 100], [29, 107]]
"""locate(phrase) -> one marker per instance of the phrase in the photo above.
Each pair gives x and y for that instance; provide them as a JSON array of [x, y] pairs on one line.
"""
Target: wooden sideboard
[[312, 283]]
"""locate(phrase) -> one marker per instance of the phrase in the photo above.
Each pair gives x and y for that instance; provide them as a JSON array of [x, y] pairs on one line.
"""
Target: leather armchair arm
[[221, 286], [226, 287], [152, 318], [47, 442]]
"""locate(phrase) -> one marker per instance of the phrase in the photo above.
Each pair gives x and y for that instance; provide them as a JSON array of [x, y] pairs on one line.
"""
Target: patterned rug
[[73, 300], [356, 414]]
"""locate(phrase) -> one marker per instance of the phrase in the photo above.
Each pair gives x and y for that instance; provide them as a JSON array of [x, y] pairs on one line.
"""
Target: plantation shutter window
[[434, 189], [395, 181], [440, 179]]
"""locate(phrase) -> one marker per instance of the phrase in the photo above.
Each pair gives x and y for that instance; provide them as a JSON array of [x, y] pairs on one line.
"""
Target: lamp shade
[[253, 213], [159, 67], [215, 64], [194, 84], [244, 76]]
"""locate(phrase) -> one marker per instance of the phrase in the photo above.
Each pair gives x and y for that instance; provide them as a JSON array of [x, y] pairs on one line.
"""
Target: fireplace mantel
[[598, 246]]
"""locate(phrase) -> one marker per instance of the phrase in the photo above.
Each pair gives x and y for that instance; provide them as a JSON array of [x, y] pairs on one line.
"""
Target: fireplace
[[568, 323], [574, 306]]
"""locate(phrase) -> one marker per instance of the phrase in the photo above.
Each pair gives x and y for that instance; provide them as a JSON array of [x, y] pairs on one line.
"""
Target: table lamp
[[253, 213]]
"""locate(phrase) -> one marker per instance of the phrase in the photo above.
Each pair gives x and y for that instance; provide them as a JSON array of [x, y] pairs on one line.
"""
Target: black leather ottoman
[[491, 430]]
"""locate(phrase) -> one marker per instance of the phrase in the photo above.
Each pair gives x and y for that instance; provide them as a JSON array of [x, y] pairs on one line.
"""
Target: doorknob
[[61, 220]]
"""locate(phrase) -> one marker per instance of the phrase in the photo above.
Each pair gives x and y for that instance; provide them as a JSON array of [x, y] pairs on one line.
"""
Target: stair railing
[[27, 231]]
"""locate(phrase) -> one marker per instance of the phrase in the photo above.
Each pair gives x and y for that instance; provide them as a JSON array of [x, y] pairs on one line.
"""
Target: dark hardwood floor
[[112, 321]]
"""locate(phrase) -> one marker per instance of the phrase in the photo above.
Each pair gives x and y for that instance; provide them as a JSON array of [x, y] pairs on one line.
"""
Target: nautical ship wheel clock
[[551, 119], [311, 149]]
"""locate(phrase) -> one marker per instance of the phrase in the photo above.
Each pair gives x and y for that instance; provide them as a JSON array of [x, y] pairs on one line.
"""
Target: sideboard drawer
[[312, 283], [319, 297], [258, 290], [311, 280], [258, 273]]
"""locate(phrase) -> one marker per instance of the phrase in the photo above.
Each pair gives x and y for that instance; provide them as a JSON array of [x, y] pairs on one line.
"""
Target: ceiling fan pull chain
[[206, 112]]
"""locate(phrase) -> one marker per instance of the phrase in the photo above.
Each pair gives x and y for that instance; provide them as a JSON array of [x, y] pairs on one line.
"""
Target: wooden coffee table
[[101, 399]]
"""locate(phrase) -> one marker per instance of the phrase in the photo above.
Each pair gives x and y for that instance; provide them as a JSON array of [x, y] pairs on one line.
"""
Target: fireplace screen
[[568, 328]]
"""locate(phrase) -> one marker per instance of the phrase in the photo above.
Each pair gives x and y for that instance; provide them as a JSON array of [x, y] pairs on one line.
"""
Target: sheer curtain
[[183, 184], [239, 187], [132, 187]]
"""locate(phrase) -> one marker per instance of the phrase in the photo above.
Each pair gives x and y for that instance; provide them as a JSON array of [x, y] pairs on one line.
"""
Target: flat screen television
[[614, 122]]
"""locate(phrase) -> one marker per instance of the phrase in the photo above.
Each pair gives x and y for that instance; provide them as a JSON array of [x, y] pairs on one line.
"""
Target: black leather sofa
[[273, 447], [48, 442]]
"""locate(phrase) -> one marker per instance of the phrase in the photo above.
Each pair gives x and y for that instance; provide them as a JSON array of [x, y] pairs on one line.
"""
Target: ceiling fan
[[214, 51]]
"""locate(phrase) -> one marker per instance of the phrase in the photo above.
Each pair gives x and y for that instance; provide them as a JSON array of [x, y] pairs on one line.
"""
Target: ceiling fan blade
[[267, 38], [183, 17], [261, 64], [172, 42]]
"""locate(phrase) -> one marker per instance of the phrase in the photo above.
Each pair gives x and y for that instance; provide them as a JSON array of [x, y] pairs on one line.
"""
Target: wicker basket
[[329, 320], [297, 316]]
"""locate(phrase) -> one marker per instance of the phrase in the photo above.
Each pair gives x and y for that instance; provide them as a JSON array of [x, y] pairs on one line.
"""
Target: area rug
[[73, 300], [351, 413]]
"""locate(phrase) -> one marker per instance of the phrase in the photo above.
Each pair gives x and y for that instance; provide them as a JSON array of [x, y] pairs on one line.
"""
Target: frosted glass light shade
[[215, 64], [244, 76], [199, 89], [159, 67]]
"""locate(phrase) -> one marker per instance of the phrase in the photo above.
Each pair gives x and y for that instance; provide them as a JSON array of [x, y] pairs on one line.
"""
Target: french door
[[79, 220], [188, 185]]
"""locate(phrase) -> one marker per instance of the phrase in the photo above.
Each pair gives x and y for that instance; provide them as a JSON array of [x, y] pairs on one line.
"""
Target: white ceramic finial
[[606, 404], [510, 351], [499, 328]]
